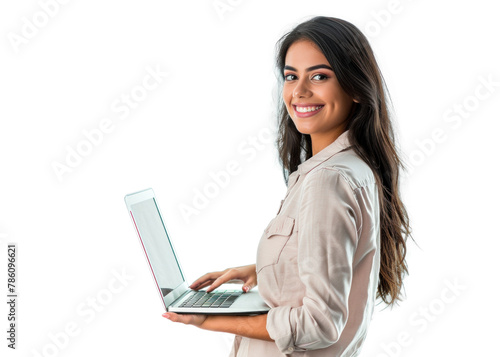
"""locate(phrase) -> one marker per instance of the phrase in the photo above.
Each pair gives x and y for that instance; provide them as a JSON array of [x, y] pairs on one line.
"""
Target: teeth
[[307, 109]]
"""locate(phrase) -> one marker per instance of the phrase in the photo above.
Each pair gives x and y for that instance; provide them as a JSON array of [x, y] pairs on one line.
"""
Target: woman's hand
[[187, 319], [247, 326], [246, 273]]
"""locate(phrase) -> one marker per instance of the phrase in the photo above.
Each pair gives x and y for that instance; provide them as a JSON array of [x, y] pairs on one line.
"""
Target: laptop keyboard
[[202, 299]]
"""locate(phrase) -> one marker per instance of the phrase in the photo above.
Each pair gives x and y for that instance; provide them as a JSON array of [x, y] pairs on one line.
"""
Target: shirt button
[[290, 349]]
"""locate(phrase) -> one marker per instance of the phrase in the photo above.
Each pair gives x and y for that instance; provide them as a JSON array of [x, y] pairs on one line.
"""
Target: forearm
[[246, 326]]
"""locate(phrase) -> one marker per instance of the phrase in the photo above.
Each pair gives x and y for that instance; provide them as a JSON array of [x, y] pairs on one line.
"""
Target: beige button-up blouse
[[318, 260]]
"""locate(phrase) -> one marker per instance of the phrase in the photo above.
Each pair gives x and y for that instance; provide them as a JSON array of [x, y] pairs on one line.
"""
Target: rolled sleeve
[[328, 227]]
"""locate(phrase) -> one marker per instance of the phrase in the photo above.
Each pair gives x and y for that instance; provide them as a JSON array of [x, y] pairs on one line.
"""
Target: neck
[[321, 141]]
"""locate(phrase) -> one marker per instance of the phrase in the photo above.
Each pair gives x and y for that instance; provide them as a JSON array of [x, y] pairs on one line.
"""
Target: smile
[[307, 111]]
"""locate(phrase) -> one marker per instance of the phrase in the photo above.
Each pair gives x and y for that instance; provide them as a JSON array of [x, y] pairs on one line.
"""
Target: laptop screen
[[154, 237]]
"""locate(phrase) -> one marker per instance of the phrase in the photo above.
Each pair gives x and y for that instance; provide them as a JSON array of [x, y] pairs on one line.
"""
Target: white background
[[65, 74]]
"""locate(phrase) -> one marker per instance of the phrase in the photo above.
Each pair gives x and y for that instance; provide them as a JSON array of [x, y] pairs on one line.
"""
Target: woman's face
[[314, 99]]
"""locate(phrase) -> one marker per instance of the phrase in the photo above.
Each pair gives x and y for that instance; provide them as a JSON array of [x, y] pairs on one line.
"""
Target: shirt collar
[[341, 143]]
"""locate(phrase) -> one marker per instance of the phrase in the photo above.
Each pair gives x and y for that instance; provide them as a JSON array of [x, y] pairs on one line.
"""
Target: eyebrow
[[310, 68]]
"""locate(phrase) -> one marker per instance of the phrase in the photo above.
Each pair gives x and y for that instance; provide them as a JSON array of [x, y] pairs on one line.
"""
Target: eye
[[321, 76], [289, 77]]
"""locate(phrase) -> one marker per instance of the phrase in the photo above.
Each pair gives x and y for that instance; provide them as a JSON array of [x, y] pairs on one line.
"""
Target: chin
[[304, 130]]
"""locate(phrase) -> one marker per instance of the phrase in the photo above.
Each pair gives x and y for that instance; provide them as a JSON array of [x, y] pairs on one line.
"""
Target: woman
[[338, 241]]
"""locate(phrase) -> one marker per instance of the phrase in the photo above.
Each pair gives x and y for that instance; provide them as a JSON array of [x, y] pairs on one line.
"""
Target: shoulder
[[348, 166]]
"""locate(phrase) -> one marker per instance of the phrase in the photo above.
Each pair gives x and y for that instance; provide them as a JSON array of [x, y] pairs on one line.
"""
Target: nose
[[301, 90]]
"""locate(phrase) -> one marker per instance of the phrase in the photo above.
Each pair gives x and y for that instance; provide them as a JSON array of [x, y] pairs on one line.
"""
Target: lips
[[307, 110]]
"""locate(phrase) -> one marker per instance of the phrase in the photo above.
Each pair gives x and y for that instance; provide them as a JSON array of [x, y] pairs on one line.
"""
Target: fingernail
[[245, 288], [167, 315]]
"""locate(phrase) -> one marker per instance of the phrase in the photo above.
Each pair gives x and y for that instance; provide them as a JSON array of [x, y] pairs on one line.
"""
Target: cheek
[[287, 94], [287, 99], [341, 100]]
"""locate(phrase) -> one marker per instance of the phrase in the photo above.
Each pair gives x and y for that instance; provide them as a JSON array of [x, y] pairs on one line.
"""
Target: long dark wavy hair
[[370, 133]]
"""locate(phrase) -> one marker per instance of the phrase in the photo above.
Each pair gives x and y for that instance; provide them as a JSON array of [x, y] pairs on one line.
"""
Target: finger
[[235, 281], [203, 285], [216, 283], [172, 316], [249, 285], [198, 282], [208, 283], [209, 276], [203, 279], [224, 278]]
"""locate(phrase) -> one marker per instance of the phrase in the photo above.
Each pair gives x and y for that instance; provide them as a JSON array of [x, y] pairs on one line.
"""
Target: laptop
[[167, 273]]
